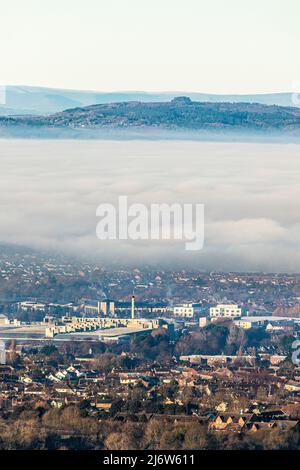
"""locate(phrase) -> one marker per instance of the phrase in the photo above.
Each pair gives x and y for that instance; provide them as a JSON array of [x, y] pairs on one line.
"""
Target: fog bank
[[50, 191]]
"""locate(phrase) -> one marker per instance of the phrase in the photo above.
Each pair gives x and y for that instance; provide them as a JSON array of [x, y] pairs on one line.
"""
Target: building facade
[[225, 311], [184, 310]]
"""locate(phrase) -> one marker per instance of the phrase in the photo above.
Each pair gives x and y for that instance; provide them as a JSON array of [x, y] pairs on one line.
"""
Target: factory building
[[98, 307]]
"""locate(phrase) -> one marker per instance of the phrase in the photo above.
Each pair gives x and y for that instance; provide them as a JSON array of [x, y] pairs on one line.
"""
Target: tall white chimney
[[132, 307]]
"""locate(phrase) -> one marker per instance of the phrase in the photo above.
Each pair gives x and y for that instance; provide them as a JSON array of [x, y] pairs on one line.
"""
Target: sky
[[251, 193], [215, 46]]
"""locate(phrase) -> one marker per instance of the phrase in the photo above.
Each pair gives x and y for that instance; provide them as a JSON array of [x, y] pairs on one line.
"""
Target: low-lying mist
[[50, 190]]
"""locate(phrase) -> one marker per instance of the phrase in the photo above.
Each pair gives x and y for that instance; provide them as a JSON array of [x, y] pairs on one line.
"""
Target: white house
[[184, 310], [225, 311], [4, 319]]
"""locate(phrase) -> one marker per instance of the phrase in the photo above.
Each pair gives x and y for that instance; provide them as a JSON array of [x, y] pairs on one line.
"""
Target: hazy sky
[[221, 46], [251, 192]]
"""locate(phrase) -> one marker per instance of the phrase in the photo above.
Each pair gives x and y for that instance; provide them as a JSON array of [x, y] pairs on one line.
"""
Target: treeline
[[161, 346], [218, 338], [70, 428]]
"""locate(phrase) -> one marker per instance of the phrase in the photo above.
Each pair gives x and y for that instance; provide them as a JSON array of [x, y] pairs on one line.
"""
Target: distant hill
[[179, 114], [39, 100]]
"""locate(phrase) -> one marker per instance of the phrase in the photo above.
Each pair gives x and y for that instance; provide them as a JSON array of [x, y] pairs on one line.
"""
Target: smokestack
[[132, 307]]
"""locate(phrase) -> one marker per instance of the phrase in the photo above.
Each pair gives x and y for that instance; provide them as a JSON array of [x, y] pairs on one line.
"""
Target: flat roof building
[[185, 310], [225, 311]]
